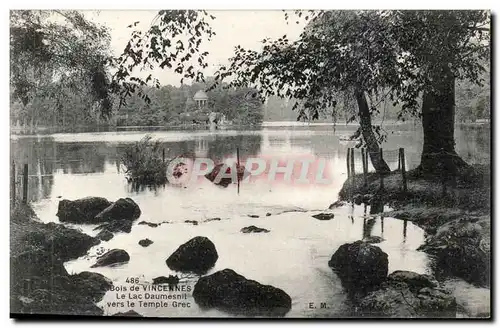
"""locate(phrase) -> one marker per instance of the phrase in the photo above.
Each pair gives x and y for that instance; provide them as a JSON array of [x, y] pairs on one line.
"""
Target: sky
[[245, 28]]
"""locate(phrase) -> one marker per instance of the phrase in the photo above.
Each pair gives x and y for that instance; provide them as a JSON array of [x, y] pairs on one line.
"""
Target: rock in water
[[197, 255], [408, 294], [81, 210], [105, 235], [170, 280], [242, 173], [324, 216], [114, 256], [122, 209], [145, 242], [231, 292], [360, 266], [253, 229], [149, 224]]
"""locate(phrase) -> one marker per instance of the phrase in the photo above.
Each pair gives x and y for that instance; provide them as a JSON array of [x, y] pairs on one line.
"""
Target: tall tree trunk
[[366, 129], [438, 121]]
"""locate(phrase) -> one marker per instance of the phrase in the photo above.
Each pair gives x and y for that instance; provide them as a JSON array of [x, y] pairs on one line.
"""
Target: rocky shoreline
[[457, 222], [40, 283]]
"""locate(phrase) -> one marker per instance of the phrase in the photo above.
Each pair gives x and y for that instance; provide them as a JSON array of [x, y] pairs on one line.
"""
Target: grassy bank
[[39, 282]]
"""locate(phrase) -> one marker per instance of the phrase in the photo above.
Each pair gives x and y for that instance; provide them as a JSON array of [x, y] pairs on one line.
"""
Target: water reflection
[[100, 152]]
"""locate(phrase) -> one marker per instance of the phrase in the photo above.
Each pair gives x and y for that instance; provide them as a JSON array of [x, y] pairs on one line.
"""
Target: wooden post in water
[[403, 168], [25, 184], [163, 155], [399, 159], [13, 182], [405, 226], [365, 167], [238, 168], [353, 177], [348, 163], [381, 174]]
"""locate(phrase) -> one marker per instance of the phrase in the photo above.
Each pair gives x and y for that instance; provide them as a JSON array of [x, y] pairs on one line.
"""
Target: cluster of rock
[[112, 217], [225, 290], [362, 269]]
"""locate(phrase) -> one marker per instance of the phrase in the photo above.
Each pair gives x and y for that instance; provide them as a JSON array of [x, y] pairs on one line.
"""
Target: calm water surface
[[293, 256]]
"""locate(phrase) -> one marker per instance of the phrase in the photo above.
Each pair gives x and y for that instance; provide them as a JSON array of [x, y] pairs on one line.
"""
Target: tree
[[174, 41], [403, 56], [442, 47], [328, 67], [57, 55]]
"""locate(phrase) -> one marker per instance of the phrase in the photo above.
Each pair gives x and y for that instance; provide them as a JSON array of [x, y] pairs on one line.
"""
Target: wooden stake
[[163, 155], [25, 184], [381, 174], [353, 177], [13, 182], [352, 163], [348, 163], [238, 167], [403, 168]]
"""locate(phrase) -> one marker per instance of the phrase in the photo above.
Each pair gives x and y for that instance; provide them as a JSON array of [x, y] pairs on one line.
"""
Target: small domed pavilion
[[201, 99]]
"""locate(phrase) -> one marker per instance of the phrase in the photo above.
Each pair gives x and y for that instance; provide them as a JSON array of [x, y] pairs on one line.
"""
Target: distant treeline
[[169, 106]]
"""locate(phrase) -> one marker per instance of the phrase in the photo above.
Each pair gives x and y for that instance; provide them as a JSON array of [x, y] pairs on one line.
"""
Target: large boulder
[[408, 294], [197, 255], [114, 256], [122, 209], [459, 249], [82, 210], [360, 266], [231, 292]]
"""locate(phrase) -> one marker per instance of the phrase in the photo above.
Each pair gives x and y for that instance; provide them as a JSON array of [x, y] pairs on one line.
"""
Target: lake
[[293, 256]]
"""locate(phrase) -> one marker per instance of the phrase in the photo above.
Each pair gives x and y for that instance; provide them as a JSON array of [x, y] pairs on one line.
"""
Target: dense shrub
[[144, 162]]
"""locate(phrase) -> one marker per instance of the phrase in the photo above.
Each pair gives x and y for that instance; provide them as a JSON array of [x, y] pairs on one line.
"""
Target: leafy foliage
[[57, 55], [393, 55], [173, 41]]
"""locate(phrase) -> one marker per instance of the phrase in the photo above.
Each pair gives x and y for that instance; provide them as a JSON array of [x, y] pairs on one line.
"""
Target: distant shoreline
[[265, 124]]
